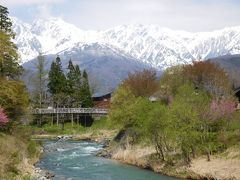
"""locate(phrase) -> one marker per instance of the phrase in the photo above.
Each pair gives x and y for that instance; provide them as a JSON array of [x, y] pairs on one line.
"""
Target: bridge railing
[[70, 111]]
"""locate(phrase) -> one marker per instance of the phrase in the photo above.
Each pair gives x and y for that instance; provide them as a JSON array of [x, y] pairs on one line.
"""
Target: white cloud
[[190, 15], [43, 11], [29, 2]]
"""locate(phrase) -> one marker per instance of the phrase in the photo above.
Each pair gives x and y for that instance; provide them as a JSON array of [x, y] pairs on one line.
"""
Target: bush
[[13, 98], [32, 148]]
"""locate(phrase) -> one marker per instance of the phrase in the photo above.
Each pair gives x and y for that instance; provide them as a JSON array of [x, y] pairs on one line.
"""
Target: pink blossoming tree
[[3, 118], [222, 108]]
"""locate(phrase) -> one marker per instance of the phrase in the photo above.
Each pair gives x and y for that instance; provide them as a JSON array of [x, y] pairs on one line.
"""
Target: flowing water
[[76, 160]]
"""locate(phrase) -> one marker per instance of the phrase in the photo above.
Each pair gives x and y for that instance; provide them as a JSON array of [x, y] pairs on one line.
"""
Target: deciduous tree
[[142, 83]]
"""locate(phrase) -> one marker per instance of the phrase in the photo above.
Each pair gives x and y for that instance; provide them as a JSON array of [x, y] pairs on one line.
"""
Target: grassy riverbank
[[100, 130], [22, 153], [222, 166], [18, 154]]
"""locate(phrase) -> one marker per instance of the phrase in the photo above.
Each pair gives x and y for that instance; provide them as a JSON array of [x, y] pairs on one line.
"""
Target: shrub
[[13, 98], [32, 148]]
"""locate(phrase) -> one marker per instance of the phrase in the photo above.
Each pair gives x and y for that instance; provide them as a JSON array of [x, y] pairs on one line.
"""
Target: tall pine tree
[[74, 84], [71, 76], [77, 88], [5, 21], [85, 91], [57, 82]]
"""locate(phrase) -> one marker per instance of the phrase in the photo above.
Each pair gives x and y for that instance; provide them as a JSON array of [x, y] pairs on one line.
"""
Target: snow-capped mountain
[[150, 44]]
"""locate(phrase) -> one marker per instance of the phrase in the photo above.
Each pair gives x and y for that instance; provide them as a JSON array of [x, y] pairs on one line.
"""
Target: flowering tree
[[222, 108], [3, 118]]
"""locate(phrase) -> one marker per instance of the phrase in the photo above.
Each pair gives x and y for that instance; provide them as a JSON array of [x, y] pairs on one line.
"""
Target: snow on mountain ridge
[[151, 44]]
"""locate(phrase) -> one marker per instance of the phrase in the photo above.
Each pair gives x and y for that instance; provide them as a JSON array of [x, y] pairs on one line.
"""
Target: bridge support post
[[72, 119], [78, 119], [52, 119], [57, 119]]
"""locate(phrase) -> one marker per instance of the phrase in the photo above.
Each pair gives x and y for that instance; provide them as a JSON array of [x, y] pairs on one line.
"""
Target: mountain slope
[[106, 67], [231, 64], [150, 44]]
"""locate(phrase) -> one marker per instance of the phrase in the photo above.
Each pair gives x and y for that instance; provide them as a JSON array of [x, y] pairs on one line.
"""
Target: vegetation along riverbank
[[184, 123]]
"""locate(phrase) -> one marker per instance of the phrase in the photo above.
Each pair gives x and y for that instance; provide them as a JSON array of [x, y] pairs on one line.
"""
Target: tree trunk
[[208, 155], [193, 152], [159, 148]]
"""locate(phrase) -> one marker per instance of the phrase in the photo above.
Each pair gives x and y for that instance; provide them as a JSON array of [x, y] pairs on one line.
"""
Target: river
[[76, 160]]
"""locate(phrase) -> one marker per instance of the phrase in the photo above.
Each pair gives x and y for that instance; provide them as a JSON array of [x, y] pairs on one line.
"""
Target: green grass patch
[[98, 124]]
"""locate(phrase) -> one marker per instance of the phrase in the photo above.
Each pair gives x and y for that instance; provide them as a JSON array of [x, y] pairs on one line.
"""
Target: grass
[[101, 124], [16, 149]]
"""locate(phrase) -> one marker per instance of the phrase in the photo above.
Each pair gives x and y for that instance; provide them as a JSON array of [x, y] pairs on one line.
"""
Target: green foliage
[[9, 66], [72, 90], [102, 123], [171, 80], [159, 129], [185, 115], [57, 84], [13, 98], [86, 95], [179, 130], [73, 78], [32, 148], [121, 112], [5, 21], [57, 79]]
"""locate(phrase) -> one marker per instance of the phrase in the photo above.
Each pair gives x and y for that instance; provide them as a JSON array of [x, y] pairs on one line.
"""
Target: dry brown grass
[[217, 168], [222, 166], [14, 157], [134, 155]]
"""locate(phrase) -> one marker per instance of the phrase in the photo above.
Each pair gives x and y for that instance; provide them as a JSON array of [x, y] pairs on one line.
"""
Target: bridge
[[83, 111], [64, 113]]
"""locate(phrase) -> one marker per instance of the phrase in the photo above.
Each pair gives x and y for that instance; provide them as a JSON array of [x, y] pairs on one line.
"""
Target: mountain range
[[111, 54], [151, 44]]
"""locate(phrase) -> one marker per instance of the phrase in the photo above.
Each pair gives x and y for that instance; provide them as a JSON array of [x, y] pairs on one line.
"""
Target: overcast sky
[[189, 15]]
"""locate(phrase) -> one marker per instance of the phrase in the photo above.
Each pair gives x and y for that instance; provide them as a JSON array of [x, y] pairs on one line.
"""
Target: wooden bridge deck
[[91, 111]]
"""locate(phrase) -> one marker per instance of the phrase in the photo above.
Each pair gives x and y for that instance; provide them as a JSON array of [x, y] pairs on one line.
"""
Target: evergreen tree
[[74, 85], [77, 87], [71, 76], [9, 66], [85, 91], [78, 76], [5, 22], [57, 79]]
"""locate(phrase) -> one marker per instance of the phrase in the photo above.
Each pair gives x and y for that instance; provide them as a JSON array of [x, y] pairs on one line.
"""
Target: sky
[[188, 15]]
